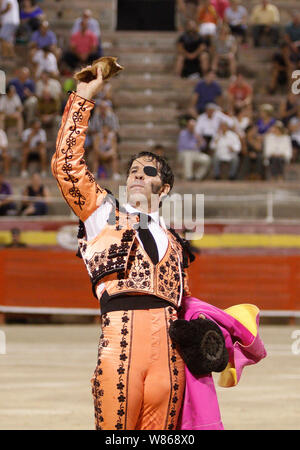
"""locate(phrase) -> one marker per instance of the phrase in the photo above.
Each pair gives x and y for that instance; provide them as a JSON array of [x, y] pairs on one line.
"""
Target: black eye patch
[[150, 171]]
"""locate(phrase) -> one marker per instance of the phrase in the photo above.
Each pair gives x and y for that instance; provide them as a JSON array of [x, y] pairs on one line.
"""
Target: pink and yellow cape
[[239, 324]]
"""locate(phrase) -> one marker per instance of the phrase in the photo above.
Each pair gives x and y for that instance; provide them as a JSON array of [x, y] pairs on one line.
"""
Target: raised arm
[[75, 181]]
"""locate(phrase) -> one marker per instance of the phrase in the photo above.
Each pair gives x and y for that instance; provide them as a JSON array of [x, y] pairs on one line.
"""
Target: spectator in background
[[277, 150], [83, 47], [48, 110], [103, 115], [206, 91], [44, 37], [16, 239], [208, 124], [280, 68], [52, 85], [226, 146], [3, 147], [7, 207], [207, 18], [10, 20], [25, 89], [236, 16], [92, 25], [294, 129], [220, 6], [224, 49], [105, 150], [192, 56], [253, 158], [266, 118], [43, 60], [31, 15], [292, 39], [33, 207], [265, 19], [11, 107], [288, 108], [240, 93], [34, 143], [189, 153]]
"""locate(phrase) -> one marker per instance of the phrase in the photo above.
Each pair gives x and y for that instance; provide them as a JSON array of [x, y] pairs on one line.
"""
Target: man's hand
[[91, 89]]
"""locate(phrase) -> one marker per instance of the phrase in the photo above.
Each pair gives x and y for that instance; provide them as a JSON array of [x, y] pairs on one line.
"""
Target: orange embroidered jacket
[[114, 257]]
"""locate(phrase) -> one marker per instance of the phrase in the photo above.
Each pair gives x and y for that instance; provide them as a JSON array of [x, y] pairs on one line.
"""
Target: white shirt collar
[[154, 215]]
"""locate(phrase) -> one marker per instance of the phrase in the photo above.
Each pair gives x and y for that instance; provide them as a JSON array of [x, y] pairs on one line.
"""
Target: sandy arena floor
[[45, 381]]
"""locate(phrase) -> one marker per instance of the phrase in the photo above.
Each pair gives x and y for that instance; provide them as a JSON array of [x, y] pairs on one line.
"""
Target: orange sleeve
[[75, 181]]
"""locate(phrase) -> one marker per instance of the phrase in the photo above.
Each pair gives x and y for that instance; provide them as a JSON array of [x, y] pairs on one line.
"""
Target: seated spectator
[[16, 239], [33, 207], [189, 153], [294, 129], [280, 68], [3, 147], [266, 119], [92, 25], [10, 20], [11, 106], [103, 115], [193, 57], [52, 85], [224, 49], [288, 108], [43, 60], [206, 91], [236, 16], [226, 146], [44, 37], [292, 39], [83, 47], [48, 110], [277, 150], [253, 157], [7, 207], [240, 93], [31, 15], [208, 124], [34, 143], [105, 151], [220, 6], [207, 18], [25, 89], [265, 19], [241, 120]]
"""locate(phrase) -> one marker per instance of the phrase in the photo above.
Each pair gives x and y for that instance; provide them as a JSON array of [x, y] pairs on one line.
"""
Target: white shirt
[[40, 136], [9, 105], [3, 140], [13, 15], [98, 220], [235, 17], [48, 63], [53, 86], [206, 126], [222, 143], [278, 146]]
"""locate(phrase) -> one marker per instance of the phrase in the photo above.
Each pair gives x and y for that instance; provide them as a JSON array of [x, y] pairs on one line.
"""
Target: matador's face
[[144, 184]]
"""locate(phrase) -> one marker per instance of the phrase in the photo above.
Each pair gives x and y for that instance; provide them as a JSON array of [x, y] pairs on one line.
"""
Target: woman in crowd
[[277, 150]]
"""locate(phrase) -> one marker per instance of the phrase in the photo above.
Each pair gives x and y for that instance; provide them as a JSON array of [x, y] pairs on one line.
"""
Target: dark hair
[[166, 174]]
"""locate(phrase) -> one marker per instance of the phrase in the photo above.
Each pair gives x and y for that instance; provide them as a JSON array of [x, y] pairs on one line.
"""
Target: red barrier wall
[[56, 278]]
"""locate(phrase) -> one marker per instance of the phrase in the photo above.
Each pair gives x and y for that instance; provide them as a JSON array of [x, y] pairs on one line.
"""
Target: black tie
[[147, 238]]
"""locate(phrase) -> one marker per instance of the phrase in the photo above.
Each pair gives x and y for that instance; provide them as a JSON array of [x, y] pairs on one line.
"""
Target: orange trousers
[[138, 383]]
